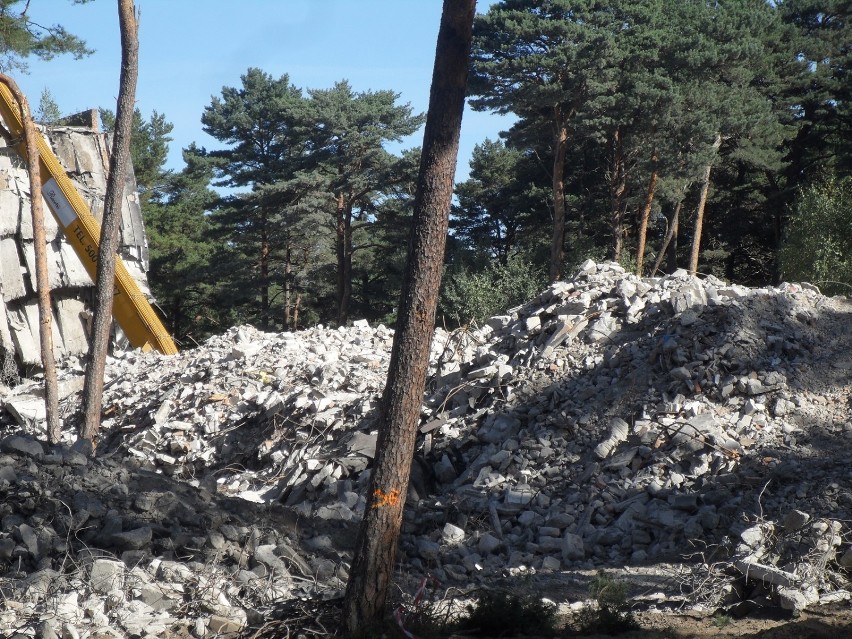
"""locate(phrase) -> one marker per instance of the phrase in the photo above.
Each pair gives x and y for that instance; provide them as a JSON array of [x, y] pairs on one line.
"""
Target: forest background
[[661, 134]]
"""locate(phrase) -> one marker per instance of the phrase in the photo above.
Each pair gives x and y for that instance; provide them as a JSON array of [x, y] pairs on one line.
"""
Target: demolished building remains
[[83, 152]]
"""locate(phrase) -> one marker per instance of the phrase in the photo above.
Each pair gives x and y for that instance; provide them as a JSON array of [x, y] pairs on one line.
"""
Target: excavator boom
[[130, 308]]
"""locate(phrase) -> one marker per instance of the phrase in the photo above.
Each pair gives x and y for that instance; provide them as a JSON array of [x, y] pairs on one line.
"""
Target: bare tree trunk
[[646, 215], [699, 212], [177, 316], [375, 549], [343, 244], [264, 272], [557, 242], [618, 185], [671, 235], [346, 300], [45, 309], [296, 307], [104, 285], [671, 254], [288, 286], [699, 221]]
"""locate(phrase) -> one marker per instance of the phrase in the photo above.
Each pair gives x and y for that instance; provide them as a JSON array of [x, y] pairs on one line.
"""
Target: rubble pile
[[610, 421]]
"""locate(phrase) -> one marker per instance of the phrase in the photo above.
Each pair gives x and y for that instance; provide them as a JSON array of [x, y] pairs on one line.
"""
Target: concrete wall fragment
[[84, 153]]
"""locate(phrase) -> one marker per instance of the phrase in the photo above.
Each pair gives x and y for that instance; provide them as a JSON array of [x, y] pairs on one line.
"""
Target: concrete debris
[[610, 421]]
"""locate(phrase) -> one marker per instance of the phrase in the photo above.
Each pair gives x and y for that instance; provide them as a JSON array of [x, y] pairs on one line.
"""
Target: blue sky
[[190, 49]]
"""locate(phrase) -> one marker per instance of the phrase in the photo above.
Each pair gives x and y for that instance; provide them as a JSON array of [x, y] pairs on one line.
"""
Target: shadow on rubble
[[65, 513], [732, 415]]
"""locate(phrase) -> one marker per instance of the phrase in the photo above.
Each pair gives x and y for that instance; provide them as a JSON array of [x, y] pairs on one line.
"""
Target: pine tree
[[48, 110], [378, 536], [349, 133], [738, 78], [311, 163], [380, 247], [536, 59], [262, 124], [149, 150]]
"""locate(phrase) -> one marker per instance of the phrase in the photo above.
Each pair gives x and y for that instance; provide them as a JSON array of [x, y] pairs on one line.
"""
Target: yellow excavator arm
[[130, 308]]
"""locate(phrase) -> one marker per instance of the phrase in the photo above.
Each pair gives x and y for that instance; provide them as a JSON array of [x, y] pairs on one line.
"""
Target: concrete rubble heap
[[611, 421]]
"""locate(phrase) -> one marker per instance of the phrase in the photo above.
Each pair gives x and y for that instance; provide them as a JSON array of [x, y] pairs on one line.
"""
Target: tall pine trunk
[[557, 241], [343, 243], [375, 548], [699, 212], [264, 271], [288, 286], [618, 185], [105, 275], [296, 306], [670, 240], [646, 215]]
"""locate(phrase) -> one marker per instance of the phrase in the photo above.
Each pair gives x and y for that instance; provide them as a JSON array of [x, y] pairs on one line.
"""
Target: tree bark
[[288, 285], [618, 185], [296, 307], [177, 317], [343, 243], [699, 212], [671, 235], [671, 254], [45, 308], [375, 549], [264, 272], [557, 243], [646, 215], [105, 277]]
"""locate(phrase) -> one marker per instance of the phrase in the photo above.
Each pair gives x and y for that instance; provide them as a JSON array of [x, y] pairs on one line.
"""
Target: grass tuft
[[500, 614]]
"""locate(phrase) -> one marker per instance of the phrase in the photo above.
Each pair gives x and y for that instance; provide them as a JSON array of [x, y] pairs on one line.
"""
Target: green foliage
[[821, 89], [149, 149], [818, 241], [21, 38], [474, 296], [260, 123], [503, 614], [381, 255], [182, 252], [611, 612], [319, 226], [262, 233], [348, 133], [635, 80], [315, 225], [48, 110], [309, 236], [500, 206]]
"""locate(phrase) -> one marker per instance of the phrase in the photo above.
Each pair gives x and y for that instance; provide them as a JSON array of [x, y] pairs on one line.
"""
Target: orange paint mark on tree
[[385, 499]]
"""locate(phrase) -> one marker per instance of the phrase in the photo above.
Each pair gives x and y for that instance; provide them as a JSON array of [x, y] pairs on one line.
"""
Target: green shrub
[[469, 296], [817, 247]]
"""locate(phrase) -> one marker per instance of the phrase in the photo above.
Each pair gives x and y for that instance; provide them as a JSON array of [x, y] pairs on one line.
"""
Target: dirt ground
[[826, 622], [832, 621]]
